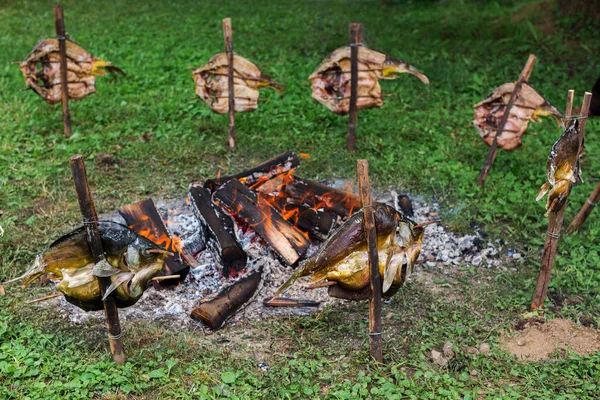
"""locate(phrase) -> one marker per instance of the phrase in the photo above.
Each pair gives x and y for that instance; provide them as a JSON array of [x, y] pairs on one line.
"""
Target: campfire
[[236, 239]]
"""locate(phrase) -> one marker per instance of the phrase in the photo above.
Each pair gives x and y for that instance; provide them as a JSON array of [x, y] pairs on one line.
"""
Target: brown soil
[[538, 340]]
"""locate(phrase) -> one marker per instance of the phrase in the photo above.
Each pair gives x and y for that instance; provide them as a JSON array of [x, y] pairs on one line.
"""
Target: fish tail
[[278, 87]]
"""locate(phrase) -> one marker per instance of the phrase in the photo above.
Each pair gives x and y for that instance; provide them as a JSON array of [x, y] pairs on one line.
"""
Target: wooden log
[[143, 218], [287, 241], [319, 196], [555, 225], [213, 312], [317, 224], [524, 77], [355, 42], [227, 36], [59, 21], [275, 166], [375, 334], [218, 229], [90, 221]]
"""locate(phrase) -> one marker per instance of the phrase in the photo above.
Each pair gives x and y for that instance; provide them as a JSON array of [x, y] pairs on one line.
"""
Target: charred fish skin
[[135, 259]]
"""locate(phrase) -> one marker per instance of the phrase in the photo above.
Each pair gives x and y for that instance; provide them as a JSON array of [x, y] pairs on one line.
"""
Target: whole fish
[[530, 105], [41, 69], [135, 261], [331, 80], [212, 85], [343, 257], [562, 170]]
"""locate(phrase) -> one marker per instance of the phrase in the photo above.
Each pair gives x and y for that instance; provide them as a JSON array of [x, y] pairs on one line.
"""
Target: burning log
[[257, 213], [319, 196], [213, 312], [219, 230], [318, 224], [143, 218], [261, 173]]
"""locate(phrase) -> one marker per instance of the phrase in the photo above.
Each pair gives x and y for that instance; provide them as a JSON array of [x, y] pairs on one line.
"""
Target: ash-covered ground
[[442, 250]]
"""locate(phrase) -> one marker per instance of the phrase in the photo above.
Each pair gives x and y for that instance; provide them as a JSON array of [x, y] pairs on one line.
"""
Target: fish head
[[126, 250], [393, 67]]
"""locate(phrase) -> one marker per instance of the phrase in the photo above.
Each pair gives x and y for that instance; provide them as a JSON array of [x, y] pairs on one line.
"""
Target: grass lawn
[[422, 140]]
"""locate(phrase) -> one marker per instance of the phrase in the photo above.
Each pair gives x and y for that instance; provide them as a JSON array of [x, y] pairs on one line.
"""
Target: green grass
[[422, 140]]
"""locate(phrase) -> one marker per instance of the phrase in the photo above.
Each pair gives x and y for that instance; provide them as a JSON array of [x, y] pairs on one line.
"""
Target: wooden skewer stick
[[59, 21], [52, 296], [227, 35], [364, 187], [555, 225], [585, 210], [162, 278], [524, 77], [90, 221], [355, 42]]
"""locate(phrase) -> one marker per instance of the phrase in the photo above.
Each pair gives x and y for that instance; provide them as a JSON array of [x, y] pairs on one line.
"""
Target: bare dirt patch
[[538, 340]]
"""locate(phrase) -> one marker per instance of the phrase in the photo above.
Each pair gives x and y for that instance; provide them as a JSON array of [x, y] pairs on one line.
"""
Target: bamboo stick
[[585, 210], [90, 221], [355, 42], [227, 35], [52, 296], [162, 278], [59, 21], [524, 77], [364, 187], [555, 225]]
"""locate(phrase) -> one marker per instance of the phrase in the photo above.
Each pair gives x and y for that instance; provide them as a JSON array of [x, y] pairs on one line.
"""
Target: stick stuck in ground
[[375, 333], [524, 77], [355, 42], [90, 221], [59, 21], [227, 36], [556, 219]]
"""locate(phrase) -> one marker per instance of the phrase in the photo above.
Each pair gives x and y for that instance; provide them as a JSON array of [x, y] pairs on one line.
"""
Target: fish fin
[[116, 282], [389, 271], [543, 190], [104, 270]]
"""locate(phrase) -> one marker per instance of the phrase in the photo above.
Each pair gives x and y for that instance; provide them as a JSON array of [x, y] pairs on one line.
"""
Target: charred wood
[[287, 241], [215, 311], [317, 195], [218, 228], [318, 224], [263, 172], [143, 218]]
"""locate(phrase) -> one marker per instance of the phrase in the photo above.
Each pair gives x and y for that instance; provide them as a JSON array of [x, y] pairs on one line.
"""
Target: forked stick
[[555, 223], [227, 35]]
